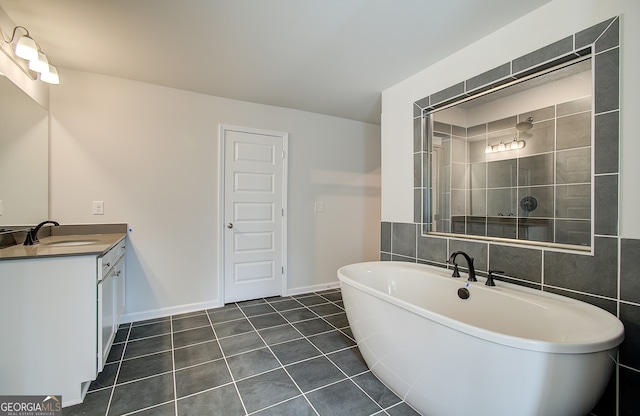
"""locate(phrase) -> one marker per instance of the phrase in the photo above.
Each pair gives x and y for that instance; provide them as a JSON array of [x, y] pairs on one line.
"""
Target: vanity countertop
[[64, 245]]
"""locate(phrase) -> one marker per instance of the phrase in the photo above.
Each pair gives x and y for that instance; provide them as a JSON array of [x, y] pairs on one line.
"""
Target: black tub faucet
[[472, 270], [32, 234]]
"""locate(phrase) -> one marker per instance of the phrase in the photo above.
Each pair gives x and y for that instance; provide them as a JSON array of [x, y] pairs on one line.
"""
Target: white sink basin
[[71, 243]]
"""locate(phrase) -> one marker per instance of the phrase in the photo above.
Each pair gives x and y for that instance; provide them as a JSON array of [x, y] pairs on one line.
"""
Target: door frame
[[284, 136]]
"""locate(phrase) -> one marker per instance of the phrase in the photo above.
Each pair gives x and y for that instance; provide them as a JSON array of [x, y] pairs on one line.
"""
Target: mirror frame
[[601, 41]]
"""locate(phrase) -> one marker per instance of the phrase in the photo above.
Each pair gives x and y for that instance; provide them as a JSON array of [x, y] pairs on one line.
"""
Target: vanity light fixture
[[27, 49], [502, 146]]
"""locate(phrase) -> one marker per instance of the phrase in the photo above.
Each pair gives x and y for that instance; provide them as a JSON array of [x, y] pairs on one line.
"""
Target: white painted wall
[[151, 154], [549, 23]]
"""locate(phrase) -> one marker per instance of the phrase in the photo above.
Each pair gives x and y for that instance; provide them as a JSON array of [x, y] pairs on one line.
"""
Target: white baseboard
[[314, 288], [164, 312], [192, 307]]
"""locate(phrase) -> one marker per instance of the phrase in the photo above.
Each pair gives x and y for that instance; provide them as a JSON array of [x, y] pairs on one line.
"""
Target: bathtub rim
[[610, 343]]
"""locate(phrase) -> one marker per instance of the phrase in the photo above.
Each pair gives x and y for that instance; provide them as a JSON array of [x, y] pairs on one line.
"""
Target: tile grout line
[[199, 363], [348, 377], [280, 362], [173, 372], [149, 337], [146, 355], [326, 356], [115, 379], [141, 379], [284, 342], [279, 403], [144, 409], [203, 391], [189, 329], [224, 357], [368, 370]]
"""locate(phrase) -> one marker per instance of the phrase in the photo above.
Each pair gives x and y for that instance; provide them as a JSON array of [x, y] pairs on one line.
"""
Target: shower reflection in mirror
[[515, 163]]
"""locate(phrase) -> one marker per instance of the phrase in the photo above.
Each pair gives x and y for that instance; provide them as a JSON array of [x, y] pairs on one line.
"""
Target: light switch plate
[[98, 207], [319, 206], [1, 206]]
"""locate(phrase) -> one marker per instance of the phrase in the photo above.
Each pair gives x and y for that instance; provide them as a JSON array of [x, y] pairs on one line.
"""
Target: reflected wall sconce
[[26, 48], [502, 146]]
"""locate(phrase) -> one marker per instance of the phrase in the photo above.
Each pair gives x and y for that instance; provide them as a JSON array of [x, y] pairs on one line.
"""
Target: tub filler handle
[[456, 272], [490, 281]]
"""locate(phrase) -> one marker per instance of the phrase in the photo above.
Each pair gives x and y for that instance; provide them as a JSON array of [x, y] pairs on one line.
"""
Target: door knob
[[230, 225]]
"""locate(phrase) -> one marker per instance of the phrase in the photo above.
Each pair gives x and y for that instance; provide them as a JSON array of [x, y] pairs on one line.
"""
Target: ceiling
[[332, 57]]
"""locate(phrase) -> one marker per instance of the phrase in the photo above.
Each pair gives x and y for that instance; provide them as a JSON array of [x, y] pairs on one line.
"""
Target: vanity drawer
[[110, 258], [104, 264], [120, 249]]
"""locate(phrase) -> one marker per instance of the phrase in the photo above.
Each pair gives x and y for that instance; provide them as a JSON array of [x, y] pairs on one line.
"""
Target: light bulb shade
[[26, 48], [40, 65], [488, 149], [501, 147], [50, 77]]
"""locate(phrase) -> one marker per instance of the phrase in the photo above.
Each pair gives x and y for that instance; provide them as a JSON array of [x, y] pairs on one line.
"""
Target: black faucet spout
[[32, 234], [472, 269]]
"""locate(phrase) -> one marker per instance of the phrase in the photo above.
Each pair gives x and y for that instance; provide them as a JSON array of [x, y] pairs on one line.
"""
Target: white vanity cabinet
[[58, 316]]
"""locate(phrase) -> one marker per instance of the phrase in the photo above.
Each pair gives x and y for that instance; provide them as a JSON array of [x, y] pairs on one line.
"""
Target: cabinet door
[[120, 290], [106, 317]]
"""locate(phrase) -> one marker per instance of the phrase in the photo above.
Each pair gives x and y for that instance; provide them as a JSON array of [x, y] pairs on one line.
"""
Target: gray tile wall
[[608, 278]]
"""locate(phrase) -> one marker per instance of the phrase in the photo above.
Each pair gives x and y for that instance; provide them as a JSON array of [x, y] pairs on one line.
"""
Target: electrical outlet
[[1, 207], [98, 207]]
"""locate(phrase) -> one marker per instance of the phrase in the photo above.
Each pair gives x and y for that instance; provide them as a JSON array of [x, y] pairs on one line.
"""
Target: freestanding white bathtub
[[505, 350]]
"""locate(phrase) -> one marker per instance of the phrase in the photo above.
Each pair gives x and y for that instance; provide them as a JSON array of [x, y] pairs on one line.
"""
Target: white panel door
[[253, 215]]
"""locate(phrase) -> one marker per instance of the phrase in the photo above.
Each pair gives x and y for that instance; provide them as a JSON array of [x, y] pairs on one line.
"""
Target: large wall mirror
[[515, 162], [24, 158]]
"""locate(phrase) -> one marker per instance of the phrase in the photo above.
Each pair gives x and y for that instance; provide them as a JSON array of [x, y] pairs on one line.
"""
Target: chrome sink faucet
[[472, 269], [32, 234]]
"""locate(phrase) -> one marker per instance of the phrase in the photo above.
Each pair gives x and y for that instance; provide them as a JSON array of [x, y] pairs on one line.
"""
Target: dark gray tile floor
[[276, 356]]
